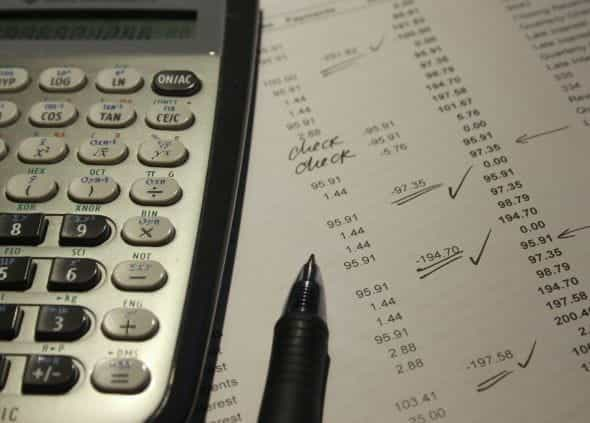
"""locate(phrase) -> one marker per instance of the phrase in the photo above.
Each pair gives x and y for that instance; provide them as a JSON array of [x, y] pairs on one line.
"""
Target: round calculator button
[[3, 149], [62, 79], [171, 117], [103, 150], [120, 376], [156, 191], [53, 114], [119, 80], [177, 83], [148, 231], [93, 189], [130, 324], [13, 79], [42, 150], [9, 113], [139, 275], [31, 188], [162, 153], [111, 115]]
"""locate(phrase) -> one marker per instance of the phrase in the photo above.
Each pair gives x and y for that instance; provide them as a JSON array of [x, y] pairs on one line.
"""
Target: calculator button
[[111, 115], [178, 83], [62, 79], [11, 317], [156, 191], [119, 80], [42, 150], [136, 275], [13, 79], [49, 375], [31, 188], [130, 324], [120, 376], [61, 323], [103, 151], [93, 189], [73, 275], [148, 231], [4, 368], [3, 149], [84, 230], [53, 114], [162, 153], [22, 229], [9, 113], [16, 273], [171, 117]]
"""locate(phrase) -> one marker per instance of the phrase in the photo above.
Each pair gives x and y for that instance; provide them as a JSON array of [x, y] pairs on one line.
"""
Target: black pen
[[298, 371]]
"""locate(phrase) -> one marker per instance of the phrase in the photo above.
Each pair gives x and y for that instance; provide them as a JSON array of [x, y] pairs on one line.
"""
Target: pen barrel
[[296, 379]]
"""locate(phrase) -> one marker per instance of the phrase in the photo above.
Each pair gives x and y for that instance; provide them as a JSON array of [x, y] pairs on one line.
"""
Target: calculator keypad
[[11, 317], [53, 114], [103, 150], [111, 115], [84, 230], [42, 150], [62, 79], [49, 375], [9, 113], [22, 229], [61, 324], [16, 273], [93, 189], [25, 188], [156, 191], [119, 80], [95, 186], [74, 275], [13, 79]]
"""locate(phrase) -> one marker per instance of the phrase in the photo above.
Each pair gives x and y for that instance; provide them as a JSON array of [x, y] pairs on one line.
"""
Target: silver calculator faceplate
[[84, 403]]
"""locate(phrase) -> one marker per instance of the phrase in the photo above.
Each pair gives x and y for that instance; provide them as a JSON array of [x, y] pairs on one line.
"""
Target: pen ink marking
[[452, 193], [345, 64], [525, 138], [414, 195], [476, 261], [493, 381], [528, 360], [440, 267]]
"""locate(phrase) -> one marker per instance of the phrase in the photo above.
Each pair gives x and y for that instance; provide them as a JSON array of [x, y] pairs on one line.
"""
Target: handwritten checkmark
[[483, 247], [452, 193], [528, 360]]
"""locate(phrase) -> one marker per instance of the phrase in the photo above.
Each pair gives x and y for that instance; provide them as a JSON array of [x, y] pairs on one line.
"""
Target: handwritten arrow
[[570, 233], [525, 138]]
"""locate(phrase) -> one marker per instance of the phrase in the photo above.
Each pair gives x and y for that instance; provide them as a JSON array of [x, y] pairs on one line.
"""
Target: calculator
[[124, 128]]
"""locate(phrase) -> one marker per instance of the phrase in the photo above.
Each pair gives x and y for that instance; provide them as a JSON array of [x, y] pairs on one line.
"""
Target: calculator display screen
[[99, 26]]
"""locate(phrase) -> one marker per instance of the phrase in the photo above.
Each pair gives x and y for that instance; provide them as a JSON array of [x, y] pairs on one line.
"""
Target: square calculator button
[[61, 323], [11, 317], [16, 273], [74, 275], [49, 375], [22, 229], [4, 368], [84, 230]]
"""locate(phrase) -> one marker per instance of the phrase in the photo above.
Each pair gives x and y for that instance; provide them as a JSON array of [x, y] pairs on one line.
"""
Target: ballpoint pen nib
[[307, 294]]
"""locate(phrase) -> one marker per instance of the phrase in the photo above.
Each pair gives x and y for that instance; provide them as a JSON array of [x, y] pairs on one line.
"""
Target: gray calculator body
[[114, 216]]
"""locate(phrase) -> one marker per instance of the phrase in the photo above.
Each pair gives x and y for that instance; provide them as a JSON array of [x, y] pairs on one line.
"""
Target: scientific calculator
[[123, 127]]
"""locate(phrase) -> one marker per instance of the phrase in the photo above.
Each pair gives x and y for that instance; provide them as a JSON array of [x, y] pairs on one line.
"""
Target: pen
[[298, 371]]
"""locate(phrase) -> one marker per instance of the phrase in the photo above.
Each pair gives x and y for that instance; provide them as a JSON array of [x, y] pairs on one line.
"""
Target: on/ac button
[[176, 83]]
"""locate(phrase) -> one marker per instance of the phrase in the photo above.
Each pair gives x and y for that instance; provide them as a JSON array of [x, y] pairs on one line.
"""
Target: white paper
[[398, 102]]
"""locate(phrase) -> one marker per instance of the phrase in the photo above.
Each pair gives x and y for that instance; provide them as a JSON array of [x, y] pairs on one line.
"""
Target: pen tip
[[311, 261]]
